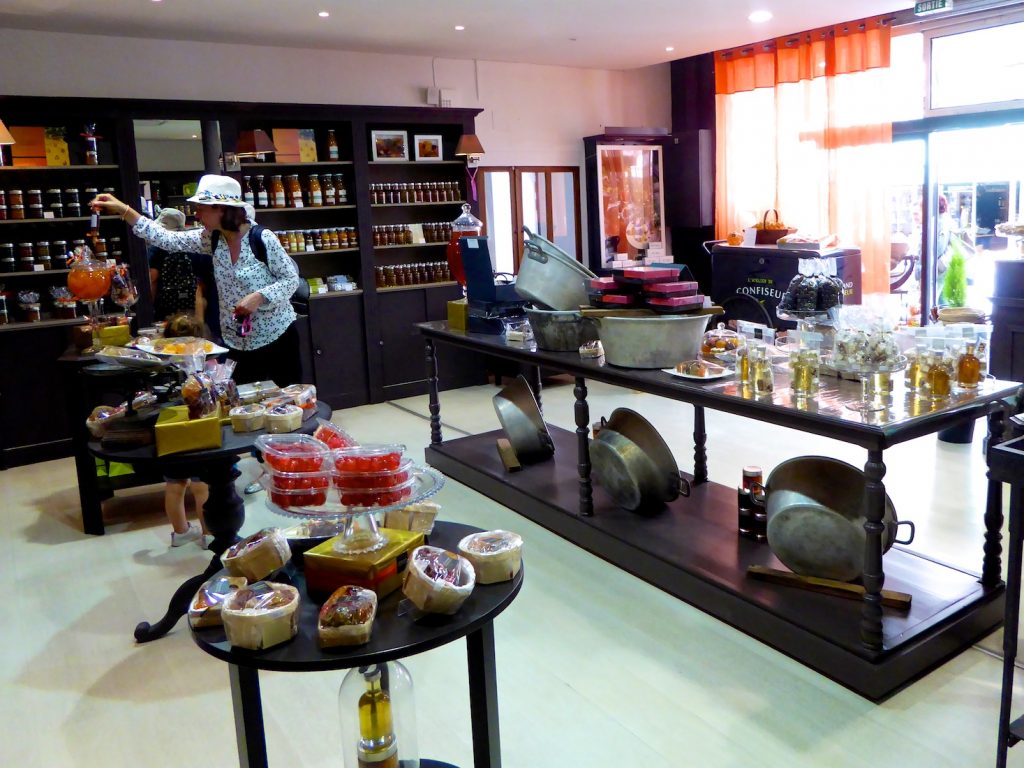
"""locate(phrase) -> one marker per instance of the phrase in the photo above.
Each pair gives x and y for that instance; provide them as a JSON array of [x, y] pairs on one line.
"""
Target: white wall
[[169, 154], [533, 114]]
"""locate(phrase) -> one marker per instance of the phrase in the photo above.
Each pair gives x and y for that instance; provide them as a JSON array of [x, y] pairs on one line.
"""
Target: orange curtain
[[802, 128]]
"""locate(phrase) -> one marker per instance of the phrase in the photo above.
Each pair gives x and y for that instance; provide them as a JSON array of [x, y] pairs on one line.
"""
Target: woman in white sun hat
[[256, 315]]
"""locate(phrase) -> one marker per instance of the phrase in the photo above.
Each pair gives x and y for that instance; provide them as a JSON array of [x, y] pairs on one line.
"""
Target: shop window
[[976, 69]]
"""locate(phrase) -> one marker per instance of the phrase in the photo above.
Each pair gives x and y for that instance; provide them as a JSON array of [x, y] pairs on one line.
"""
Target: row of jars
[[429, 192], [412, 274], [310, 240], [46, 254], [290, 192], [34, 203], [401, 234]]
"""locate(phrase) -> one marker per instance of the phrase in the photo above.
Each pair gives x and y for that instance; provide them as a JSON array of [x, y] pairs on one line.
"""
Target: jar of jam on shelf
[[353, 239], [339, 189], [310, 241], [293, 191], [71, 195], [15, 197], [16, 212], [327, 184], [4, 319], [378, 276], [316, 193], [88, 194], [260, 193], [58, 252], [277, 193], [100, 247]]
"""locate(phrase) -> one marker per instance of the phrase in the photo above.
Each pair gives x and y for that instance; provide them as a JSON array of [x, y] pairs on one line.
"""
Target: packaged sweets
[[346, 618], [438, 581], [496, 555], [257, 556], [261, 615], [206, 605], [248, 418]]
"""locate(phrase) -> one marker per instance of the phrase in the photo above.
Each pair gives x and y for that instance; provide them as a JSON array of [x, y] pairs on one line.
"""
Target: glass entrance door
[[976, 179]]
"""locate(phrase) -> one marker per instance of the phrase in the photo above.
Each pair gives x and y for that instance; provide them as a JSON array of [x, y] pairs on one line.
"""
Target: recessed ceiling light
[[323, 14], [759, 17], [669, 48], [459, 28], [194, 135]]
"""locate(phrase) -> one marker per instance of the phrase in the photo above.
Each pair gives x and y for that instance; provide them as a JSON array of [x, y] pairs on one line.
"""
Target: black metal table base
[[224, 513]]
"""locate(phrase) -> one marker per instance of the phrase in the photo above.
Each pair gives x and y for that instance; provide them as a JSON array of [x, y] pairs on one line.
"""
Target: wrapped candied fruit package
[[346, 618], [496, 555], [438, 581]]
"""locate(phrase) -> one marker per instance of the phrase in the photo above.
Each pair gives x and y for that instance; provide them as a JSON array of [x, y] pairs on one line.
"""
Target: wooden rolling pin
[[890, 598]]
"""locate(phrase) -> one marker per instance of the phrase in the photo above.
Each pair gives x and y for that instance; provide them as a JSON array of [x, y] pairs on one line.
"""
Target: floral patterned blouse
[[276, 280]]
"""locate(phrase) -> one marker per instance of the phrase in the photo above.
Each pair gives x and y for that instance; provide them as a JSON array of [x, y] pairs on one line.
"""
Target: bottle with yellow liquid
[[804, 367], [377, 715], [913, 375], [968, 368], [939, 375]]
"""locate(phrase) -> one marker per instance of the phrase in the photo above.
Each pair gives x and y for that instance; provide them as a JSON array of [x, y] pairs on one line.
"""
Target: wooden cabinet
[[34, 423], [338, 340], [405, 372]]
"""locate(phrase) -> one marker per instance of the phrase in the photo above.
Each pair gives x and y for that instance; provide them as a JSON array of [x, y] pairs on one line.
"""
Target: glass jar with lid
[[277, 192], [316, 193], [293, 191], [15, 197], [721, 344]]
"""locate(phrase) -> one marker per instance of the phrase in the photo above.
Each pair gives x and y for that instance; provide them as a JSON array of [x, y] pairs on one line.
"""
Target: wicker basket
[[770, 232]]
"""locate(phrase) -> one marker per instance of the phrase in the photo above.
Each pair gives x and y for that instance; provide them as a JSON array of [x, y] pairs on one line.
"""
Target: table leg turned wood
[[434, 400], [483, 697], [992, 564], [700, 441], [1010, 623], [874, 576], [248, 709], [224, 513], [582, 412]]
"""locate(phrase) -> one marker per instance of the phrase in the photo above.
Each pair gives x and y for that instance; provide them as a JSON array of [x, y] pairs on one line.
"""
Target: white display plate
[[711, 377], [215, 349]]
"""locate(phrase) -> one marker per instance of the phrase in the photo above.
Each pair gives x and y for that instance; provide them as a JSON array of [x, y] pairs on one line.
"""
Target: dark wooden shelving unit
[[408, 245], [415, 205], [20, 325], [21, 168], [64, 220], [307, 208], [317, 164]]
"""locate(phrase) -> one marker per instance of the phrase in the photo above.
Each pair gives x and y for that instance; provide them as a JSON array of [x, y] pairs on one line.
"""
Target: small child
[[174, 505]]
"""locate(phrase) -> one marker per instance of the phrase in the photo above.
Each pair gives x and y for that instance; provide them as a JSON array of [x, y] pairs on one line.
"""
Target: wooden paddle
[[890, 598]]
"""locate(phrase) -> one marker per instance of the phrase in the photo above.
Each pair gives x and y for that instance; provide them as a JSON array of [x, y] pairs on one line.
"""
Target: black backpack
[[259, 250], [176, 285]]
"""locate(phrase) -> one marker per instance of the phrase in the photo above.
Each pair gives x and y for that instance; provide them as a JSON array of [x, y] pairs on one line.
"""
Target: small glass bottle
[[913, 376], [968, 368], [293, 191], [247, 192], [761, 371], [339, 189], [938, 376], [332, 145]]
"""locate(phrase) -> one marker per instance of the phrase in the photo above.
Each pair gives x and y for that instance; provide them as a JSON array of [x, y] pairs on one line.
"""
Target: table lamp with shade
[[5, 139], [469, 147], [254, 143]]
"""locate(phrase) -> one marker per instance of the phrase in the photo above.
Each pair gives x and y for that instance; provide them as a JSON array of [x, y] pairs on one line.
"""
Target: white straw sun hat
[[218, 190]]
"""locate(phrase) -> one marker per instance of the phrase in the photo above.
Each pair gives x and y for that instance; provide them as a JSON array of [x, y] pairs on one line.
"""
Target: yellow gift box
[[458, 314], [381, 570], [114, 335], [176, 433]]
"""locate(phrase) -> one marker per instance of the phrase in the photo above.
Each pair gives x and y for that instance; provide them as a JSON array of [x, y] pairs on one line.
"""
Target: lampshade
[[252, 143], [469, 145], [5, 135]]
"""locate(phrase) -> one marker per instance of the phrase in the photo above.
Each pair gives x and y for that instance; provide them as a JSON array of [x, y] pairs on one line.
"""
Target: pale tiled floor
[[595, 667]]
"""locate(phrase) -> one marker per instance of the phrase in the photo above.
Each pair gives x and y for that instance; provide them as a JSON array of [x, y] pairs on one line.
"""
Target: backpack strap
[[256, 244]]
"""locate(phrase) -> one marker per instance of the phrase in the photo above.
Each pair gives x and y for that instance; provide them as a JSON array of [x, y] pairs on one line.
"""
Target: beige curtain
[[802, 128]]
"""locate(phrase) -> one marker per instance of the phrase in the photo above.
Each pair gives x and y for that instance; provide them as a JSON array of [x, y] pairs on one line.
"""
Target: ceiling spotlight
[[459, 28], [194, 135], [669, 48], [759, 17], [323, 14]]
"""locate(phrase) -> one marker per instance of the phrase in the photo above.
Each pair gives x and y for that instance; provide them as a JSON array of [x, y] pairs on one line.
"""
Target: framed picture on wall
[[390, 146], [428, 148]]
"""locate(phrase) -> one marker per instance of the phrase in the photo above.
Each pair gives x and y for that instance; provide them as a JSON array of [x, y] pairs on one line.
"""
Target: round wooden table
[[394, 637]]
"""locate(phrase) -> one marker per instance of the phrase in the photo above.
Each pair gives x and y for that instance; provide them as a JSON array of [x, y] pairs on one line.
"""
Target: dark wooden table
[[224, 511], [394, 637], [691, 549]]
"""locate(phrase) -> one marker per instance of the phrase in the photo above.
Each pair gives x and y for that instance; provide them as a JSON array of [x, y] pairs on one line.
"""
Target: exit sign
[[932, 6]]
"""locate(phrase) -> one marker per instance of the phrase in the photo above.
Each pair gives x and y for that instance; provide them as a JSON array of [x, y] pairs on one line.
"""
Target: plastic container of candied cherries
[[293, 453], [299, 481], [378, 497], [299, 497], [355, 481], [333, 435], [377, 457]]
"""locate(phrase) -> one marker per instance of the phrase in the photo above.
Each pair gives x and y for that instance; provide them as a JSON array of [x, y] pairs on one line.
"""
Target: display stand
[[394, 637], [692, 550]]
